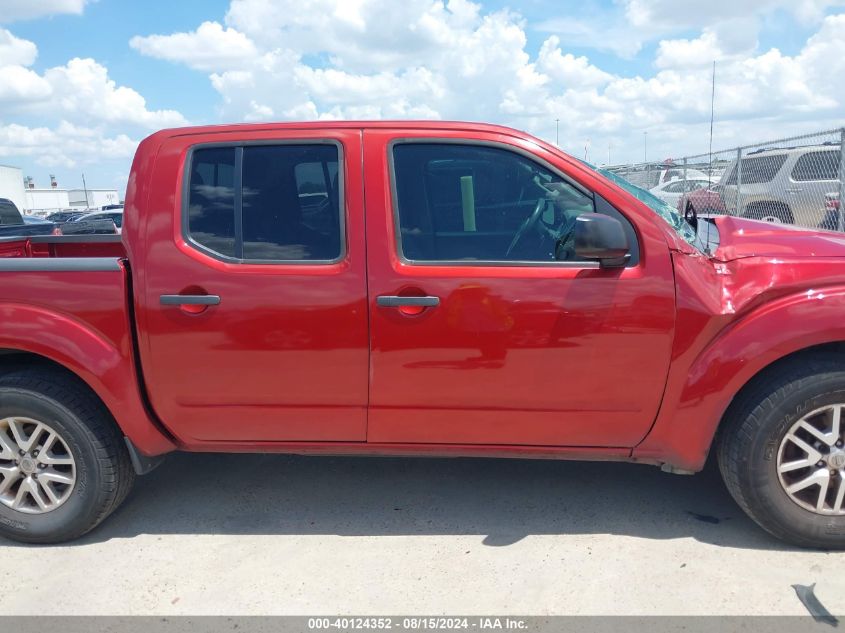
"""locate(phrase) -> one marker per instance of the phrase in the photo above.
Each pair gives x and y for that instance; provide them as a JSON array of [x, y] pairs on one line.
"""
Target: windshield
[[665, 211]]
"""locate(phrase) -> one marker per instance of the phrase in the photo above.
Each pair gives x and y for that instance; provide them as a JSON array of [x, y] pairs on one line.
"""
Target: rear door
[[251, 287], [814, 174], [485, 327]]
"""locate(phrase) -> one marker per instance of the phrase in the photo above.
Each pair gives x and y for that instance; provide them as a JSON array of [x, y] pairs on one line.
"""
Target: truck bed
[[62, 246]]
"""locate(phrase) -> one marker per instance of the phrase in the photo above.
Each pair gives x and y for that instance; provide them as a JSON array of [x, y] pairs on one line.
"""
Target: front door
[[485, 326], [252, 295]]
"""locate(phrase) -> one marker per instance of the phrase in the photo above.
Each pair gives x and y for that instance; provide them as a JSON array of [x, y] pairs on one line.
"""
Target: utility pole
[[557, 132], [85, 188]]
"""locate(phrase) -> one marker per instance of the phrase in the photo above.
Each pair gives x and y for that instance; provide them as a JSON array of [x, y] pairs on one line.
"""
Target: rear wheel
[[63, 464], [782, 451], [774, 212]]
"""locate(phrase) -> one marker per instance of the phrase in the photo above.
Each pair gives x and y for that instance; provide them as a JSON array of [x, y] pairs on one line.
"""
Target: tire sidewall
[[770, 499], [77, 511]]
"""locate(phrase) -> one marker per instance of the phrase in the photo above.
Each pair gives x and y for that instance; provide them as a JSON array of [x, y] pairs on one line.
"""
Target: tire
[[751, 441], [774, 212], [102, 467]]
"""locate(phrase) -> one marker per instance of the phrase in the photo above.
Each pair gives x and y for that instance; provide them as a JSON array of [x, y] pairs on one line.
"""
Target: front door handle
[[396, 301], [190, 300]]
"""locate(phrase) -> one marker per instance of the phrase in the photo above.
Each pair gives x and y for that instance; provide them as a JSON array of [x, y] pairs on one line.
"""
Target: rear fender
[[106, 367]]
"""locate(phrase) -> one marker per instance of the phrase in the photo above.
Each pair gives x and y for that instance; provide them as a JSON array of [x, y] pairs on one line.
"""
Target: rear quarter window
[[817, 166]]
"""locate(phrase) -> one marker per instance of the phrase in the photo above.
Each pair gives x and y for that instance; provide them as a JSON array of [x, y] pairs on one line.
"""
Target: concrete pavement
[[273, 534]]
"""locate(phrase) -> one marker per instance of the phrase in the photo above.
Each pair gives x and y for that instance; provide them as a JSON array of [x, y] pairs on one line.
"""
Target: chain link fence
[[797, 180]]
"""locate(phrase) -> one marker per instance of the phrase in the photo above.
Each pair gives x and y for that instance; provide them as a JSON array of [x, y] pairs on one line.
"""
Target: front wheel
[[782, 451], [63, 464]]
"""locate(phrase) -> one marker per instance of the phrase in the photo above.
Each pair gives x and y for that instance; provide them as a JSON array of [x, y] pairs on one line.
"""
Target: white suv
[[783, 185]]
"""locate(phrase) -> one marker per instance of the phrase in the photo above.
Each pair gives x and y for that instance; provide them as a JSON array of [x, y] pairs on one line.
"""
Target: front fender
[[694, 406], [99, 357]]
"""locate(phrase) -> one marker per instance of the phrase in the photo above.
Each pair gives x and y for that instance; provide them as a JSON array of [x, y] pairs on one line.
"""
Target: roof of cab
[[323, 125]]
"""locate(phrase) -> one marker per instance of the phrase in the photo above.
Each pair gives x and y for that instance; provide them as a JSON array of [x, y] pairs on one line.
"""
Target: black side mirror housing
[[601, 237]]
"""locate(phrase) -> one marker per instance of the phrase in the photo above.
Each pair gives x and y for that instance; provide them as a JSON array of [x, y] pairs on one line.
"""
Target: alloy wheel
[[37, 468], [811, 461]]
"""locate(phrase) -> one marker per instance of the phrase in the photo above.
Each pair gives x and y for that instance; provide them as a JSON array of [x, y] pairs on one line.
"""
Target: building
[[96, 198], [11, 185], [41, 201]]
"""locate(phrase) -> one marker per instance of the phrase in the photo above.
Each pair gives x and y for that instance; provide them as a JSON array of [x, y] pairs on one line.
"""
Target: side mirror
[[601, 237]]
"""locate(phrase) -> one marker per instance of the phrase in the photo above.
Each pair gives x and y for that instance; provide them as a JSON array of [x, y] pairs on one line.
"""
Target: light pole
[[645, 147], [557, 132], [85, 187]]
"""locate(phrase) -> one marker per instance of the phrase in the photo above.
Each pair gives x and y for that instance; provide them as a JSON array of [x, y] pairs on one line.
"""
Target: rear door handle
[[395, 301], [190, 300]]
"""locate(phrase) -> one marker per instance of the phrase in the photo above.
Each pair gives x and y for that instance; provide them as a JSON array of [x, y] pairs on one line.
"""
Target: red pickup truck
[[411, 288]]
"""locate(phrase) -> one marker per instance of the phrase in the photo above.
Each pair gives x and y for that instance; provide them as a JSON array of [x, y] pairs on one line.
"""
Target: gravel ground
[[274, 534]]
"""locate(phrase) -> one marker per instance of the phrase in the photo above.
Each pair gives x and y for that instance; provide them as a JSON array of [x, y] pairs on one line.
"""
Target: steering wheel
[[564, 250], [529, 223]]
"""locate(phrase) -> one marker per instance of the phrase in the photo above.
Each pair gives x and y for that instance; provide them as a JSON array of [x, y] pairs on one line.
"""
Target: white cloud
[[85, 92], [70, 115], [80, 90], [19, 85], [723, 43], [332, 59], [435, 57], [682, 53], [66, 145], [15, 51], [631, 24], [210, 47], [566, 69], [675, 15], [13, 10]]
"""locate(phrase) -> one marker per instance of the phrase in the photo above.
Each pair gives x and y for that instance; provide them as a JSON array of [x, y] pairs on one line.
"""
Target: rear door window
[[757, 169], [273, 203]]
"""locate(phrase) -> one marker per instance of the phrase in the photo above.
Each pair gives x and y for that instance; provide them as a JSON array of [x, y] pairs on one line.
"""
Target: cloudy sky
[[82, 81]]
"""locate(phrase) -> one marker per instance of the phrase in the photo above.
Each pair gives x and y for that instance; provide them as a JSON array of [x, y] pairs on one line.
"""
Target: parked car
[[648, 176], [783, 185], [13, 223], [832, 213], [116, 216], [673, 190], [704, 201], [31, 219], [500, 299], [677, 172], [65, 215], [94, 226]]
